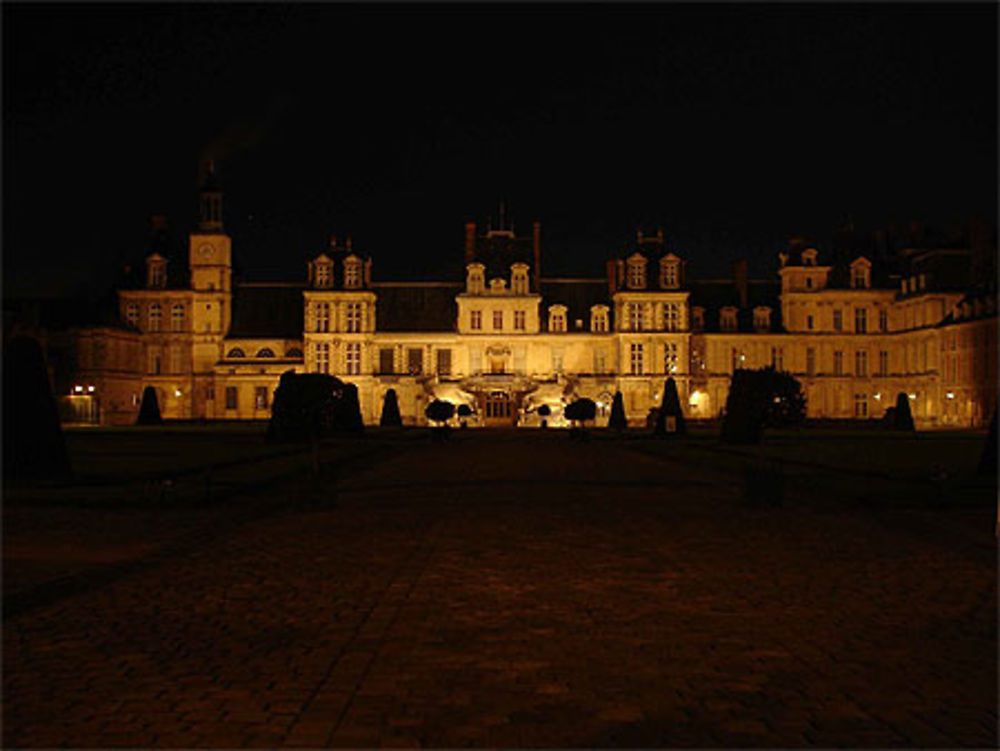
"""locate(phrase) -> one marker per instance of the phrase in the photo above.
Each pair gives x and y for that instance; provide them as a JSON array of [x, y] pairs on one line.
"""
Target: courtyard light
[[950, 395]]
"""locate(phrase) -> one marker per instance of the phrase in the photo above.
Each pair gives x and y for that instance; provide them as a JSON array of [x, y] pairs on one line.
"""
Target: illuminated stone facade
[[509, 339]]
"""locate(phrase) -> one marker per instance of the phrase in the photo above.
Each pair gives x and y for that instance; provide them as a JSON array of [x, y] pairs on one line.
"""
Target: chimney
[[740, 280], [536, 246], [612, 277], [470, 242]]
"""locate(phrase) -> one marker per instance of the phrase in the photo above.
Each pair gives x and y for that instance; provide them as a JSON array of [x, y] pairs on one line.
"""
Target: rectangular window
[[635, 359], [671, 317], [260, 397], [323, 357], [498, 320], [476, 320], [811, 361], [322, 317], [883, 363], [670, 275], [599, 361], [444, 362], [177, 317], [861, 406], [861, 363], [352, 358], [353, 317], [777, 358], [386, 360], [809, 323], [838, 363], [352, 274], [635, 317], [414, 361], [230, 397], [860, 320], [838, 320], [670, 357], [883, 320], [519, 320]]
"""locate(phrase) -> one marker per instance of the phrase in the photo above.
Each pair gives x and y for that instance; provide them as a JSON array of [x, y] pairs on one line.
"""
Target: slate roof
[[267, 311], [416, 307], [715, 294], [577, 295]]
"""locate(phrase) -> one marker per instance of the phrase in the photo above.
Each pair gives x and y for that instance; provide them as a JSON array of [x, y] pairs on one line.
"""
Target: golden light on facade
[[90, 389], [177, 392], [78, 389], [878, 397], [950, 395], [695, 398], [912, 396]]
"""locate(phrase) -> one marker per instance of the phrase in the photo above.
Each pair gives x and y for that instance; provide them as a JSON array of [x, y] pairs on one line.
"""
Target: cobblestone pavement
[[528, 591]]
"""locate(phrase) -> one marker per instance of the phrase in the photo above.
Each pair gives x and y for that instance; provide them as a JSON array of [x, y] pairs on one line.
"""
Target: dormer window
[[519, 278], [557, 318], [497, 286], [698, 317], [475, 278], [636, 274], [599, 319], [156, 272], [670, 277], [809, 257], [352, 272], [235, 352], [727, 318], [762, 318], [322, 269], [861, 274]]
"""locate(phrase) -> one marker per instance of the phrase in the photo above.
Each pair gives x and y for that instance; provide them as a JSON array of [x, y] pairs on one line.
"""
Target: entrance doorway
[[497, 410]]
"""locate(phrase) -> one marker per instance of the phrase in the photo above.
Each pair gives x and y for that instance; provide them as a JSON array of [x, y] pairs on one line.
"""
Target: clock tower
[[210, 258]]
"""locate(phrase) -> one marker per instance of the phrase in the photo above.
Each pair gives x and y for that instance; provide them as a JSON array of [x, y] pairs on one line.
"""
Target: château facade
[[507, 340]]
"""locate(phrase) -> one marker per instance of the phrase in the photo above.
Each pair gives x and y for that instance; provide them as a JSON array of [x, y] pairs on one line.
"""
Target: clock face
[[205, 251]]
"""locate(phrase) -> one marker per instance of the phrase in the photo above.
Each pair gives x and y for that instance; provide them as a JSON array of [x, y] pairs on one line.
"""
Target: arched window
[[235, 352], [293, 352], [265, 352], [155, 315], [177, 317]]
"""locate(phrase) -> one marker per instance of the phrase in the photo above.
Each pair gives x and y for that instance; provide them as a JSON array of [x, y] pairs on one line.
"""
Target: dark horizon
[[732, 127]]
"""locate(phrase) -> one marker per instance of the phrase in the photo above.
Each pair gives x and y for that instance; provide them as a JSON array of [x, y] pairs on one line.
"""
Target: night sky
[[732, 127]]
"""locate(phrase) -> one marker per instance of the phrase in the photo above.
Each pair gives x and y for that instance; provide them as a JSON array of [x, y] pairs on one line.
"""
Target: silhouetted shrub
[[544, 411], [670, 416], [149, 410], [759, 398], [440, 411], [464, 411], [988, 459], [33, 443], [390, 411], [902, 418], [310, 406], [578, 413], [889, 418], [617, 419]]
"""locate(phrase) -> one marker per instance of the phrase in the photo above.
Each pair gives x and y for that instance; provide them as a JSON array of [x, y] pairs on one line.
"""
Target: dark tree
[[309, 406], [390, 411], [759, 398], [440, 411], [670, 412], [617, 420], [464, 411], [988, 459], [544, 411], [347, 414], [33, 443], [902, 418], [149, 410]]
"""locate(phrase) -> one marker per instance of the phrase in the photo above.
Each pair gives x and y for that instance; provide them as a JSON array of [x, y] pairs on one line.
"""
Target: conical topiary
[[149, 410], [617, 419], [902, 418], [670, 407], [33, 443], [390, 411], [350, 419]]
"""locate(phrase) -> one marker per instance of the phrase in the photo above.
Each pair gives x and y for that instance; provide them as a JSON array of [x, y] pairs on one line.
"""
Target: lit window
[[519, 319], [599, 318], [444, 362], [636, 273], [498, 320], [838, 363], [861, 406], [519, 279], [475, 278], [177, 317], [671, 316], [322, 317], [635, 316], [635, 359], [354, 317], [557, 318], [476, 320], [324, 274], [155, 314], [322, 357], [352, 358], [260, 397], [668, 274], [777, 358], [670, 357], [352, 273], [860, 320]]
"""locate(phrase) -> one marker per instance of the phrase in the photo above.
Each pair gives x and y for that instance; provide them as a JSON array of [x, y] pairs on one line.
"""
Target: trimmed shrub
[[149, 410], [464, 410], [33, 443], [310, 406], [440, 411], [902, 418], [347, 415], [670, 416], [578, 413], [617, 419], [390, 411], [544, 411]]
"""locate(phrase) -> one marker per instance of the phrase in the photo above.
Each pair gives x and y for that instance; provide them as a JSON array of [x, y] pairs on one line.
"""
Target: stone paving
[[526, 591]]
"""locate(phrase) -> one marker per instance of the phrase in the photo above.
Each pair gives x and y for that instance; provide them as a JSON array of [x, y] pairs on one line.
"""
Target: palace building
[[855, 327]]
